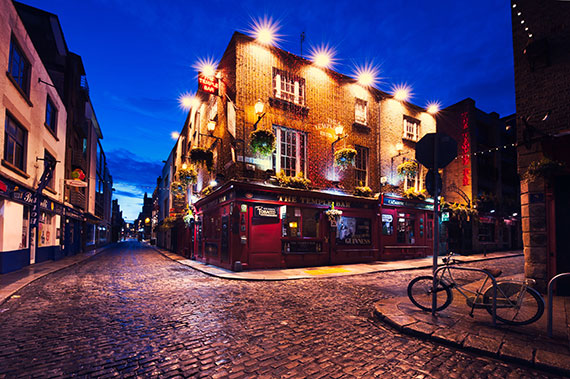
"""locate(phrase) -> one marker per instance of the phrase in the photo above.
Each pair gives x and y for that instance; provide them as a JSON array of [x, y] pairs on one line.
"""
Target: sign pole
[[435, 223]]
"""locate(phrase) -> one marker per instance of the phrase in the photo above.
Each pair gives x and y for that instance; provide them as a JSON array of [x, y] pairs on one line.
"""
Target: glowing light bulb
[[265, 30], [402, 92], [206, 66], [322, 56], [433, 107], [366, 75], [174, 135], [188, 101]]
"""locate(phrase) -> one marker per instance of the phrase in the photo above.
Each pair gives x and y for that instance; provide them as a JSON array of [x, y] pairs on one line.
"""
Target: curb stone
[[539, 359]]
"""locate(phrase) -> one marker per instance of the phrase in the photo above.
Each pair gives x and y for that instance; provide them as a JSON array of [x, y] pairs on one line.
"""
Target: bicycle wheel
[[509, 309], [420, 292]]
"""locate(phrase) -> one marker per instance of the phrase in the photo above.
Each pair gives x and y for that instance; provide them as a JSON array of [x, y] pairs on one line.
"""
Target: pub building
[[254, 225], [242, 218]]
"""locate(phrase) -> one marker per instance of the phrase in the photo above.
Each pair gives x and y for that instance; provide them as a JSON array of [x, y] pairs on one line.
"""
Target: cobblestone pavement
[[130, 311]]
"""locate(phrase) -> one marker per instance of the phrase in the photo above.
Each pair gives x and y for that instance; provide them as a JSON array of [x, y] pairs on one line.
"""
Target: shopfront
[[406, 228], [264, 226]]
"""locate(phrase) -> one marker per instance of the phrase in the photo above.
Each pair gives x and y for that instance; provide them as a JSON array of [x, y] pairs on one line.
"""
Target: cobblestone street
[[130, 311]]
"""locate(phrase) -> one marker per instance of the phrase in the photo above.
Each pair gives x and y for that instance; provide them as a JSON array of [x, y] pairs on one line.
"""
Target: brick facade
[[542, 88]]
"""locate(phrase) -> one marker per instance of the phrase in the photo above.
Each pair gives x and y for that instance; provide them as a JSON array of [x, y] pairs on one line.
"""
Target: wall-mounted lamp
[[399, 147], [184, 166], [339, 131], [259, 106], [211, 126]]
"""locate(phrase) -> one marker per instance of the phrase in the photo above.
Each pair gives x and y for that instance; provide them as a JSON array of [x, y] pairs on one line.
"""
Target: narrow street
[[130, 311]]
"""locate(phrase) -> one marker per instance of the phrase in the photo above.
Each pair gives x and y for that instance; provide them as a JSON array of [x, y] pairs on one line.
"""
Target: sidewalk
[[16, 280], [324, 271], [528, 344]]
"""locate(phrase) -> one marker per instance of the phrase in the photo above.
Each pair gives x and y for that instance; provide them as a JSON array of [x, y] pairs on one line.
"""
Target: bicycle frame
[[489, 276]]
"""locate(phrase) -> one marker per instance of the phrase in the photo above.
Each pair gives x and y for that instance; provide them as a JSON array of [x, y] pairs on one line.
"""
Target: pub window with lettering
[[290, 152], [353, 231], [288, 87]]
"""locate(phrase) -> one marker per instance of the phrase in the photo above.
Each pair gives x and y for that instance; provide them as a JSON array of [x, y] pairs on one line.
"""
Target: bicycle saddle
[[493, 271]]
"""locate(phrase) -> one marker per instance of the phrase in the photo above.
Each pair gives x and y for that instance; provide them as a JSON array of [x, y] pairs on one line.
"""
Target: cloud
[[128, 167]]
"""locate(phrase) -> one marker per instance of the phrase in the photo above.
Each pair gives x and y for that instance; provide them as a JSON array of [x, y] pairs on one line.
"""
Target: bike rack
[[477, 270], [550, 290]]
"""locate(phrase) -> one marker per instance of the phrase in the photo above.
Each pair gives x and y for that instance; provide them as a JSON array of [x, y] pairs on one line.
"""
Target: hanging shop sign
[[409, 204], [264, 211], [465, 149], [208, 84]]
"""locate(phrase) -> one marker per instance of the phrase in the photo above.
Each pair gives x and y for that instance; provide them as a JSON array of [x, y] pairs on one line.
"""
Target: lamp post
[[211, 128]]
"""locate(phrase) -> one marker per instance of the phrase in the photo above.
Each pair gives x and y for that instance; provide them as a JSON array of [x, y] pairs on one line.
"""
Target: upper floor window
[[288, 87], [19, 67], [360, 111], [411, 128], [290, 154], [15, 137], [361, 166], [51, 115], [415, 181]]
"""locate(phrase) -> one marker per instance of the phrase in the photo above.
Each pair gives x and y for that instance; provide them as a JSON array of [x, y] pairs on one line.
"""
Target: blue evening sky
[[138, 55]]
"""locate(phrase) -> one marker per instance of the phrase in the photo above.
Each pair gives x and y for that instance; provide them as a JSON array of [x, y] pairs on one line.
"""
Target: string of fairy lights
[[518, 12]]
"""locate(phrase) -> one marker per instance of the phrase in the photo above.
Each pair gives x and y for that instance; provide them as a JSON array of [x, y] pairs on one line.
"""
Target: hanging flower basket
[[262, 142], [408, 168], [544, 168], [203, 157], [78, 174], [188, 217], [178, 189], [187, 176], [333, 214], [344, 157], [411, 193]]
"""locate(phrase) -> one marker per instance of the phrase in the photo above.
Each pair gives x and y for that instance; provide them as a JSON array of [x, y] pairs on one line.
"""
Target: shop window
[[387, 224], [353, 231], [288, 87], [290, 154], [51, 116], [411, 128], [361, 166], [360, 111], [406, 228], [486, 232], [45, 231], [15, 138], [25, 228], [291, 222], [19, 67], [310, 222]]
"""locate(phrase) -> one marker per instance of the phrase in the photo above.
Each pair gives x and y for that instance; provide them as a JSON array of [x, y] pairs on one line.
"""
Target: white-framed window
[[411, 128], [288, 87], [361, 111], [415, 181], [361, 166], [291, 151]]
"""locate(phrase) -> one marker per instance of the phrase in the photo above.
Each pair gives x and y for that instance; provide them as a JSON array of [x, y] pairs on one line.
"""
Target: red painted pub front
[[253, 226]]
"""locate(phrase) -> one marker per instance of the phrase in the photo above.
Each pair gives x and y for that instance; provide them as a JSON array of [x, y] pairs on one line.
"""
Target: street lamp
[[259, 105], [211, 126]]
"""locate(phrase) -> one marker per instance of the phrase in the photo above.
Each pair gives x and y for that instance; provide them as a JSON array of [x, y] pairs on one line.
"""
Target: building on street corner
[[55, 186]]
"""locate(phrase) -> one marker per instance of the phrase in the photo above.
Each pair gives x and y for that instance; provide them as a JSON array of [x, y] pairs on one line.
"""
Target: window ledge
[[359, 127], [51, 190], [52, 132], [20, 90], [288, 106], [15, 169]]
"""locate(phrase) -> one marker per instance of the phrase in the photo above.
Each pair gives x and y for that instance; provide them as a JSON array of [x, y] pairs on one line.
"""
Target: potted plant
[[544, 168], [202, 156], [262, 142], [411, 193], [408, 168], [363, 191], [297, 181], [344, 157]]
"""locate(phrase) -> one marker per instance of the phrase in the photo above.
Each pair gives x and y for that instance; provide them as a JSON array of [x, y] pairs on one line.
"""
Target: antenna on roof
[[302, 40]]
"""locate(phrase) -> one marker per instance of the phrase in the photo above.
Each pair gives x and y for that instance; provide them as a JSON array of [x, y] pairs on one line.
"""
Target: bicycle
[[516, 304]]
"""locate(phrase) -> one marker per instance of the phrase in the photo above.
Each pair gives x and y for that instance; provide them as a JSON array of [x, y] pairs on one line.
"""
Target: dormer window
[[411, 129]]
